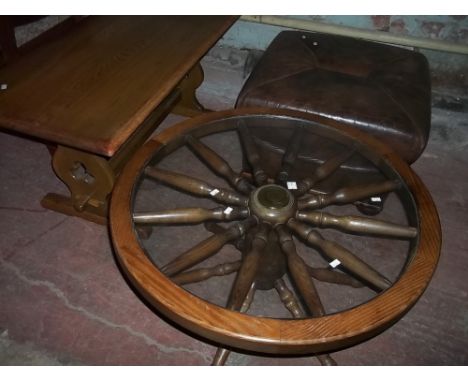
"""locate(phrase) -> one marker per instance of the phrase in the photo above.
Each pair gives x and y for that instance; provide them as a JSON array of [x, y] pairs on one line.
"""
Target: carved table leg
[[90, 180], [188, 106]]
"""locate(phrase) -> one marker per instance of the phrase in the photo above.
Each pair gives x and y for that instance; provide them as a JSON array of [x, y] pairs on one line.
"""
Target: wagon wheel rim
[[264, 334]]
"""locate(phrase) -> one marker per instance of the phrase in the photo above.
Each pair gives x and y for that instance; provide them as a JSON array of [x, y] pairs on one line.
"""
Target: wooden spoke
[[219, 165], [291, 303], [335, 251], [288, 299], [213, 227], [357, 224], [222, 354], [248, 269], [323, 171], [290, 155], [248, 299], [206, 248], [202, 274], [298, 270], [330, 276], [190, 215], [251, 152], [348, 194], [243, 288], [196, 186]]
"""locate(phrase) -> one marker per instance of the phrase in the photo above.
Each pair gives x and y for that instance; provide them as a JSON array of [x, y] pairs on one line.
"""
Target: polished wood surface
[[92, 88], [301, 336]]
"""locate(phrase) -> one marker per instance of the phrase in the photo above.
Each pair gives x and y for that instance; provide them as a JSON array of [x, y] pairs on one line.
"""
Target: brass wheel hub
[[272, 203]]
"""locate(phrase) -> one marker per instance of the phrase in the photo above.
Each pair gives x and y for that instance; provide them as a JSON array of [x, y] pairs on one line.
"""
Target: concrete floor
[[63, 301]]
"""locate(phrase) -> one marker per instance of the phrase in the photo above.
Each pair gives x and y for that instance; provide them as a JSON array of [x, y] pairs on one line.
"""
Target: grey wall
[[448, 70]]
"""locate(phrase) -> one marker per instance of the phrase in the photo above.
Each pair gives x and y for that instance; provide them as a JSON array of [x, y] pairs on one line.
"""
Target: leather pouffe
[[381, 89]]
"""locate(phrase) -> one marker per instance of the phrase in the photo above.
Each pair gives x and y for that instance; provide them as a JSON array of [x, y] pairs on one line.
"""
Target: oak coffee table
[[98, 92]]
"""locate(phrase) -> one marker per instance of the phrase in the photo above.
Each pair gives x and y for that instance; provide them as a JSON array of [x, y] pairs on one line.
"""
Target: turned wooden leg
[[188, 106]]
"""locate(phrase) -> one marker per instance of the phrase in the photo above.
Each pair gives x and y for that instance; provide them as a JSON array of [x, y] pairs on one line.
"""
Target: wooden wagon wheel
[[284, 207]]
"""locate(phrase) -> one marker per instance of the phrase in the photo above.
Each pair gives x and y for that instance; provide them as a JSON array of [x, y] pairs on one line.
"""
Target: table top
[[93, 87]]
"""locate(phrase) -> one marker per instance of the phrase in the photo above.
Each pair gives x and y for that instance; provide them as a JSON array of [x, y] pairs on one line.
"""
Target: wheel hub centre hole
[[272, 203], [274, 197]]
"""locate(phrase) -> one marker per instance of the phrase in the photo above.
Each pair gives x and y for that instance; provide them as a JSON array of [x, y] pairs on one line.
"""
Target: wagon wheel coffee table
[[256, 243]]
